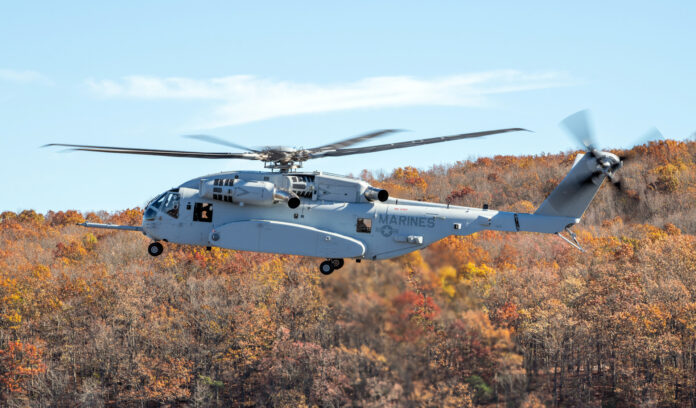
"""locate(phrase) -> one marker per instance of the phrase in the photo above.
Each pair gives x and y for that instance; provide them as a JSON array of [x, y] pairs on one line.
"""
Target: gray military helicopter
[[288, 211]]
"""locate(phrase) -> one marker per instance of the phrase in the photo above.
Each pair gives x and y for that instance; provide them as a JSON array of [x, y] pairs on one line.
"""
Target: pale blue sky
[[304, 74]]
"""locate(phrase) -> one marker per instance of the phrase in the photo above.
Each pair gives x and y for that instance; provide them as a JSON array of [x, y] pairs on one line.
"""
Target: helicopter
[[318, 214]]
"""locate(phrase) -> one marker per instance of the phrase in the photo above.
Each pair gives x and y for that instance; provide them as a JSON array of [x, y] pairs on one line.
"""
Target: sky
[[303, 74]]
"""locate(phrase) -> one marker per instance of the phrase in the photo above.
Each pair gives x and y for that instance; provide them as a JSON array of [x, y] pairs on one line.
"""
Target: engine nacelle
[[245, 192]]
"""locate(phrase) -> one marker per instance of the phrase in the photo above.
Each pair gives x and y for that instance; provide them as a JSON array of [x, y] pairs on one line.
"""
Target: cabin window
[[364, 225], [203, 212], [171, 205]]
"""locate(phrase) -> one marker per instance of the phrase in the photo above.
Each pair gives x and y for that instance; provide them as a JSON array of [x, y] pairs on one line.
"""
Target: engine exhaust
[[292, 199], [372, 194]]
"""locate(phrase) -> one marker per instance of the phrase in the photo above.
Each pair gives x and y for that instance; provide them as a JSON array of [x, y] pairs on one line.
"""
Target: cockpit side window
[[171, 205]]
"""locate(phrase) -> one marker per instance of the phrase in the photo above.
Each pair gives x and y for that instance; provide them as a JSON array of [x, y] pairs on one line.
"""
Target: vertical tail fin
[[575, 192]]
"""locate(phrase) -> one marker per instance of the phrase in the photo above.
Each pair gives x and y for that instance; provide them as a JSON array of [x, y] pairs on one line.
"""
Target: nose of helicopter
[[163, 208], [150, 215], [150, 209]]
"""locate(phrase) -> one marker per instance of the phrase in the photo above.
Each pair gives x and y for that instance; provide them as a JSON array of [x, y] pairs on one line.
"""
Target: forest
[[87, 318]]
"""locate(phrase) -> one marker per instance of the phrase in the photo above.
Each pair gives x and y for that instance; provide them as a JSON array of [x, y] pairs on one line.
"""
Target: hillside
[[87, 317]]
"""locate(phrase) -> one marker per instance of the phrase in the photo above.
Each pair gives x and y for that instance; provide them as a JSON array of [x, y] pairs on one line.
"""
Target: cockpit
[[166, 203]]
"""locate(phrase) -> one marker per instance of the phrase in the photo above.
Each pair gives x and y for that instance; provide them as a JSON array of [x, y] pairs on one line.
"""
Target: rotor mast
[[282, 166]]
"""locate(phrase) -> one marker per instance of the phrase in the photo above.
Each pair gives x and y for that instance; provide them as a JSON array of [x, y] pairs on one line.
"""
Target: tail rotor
[[579, 126]]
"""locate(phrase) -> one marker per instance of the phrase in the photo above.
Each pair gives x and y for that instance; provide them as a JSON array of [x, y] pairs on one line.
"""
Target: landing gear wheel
[[326, 268], [337, 263], [155, 249]]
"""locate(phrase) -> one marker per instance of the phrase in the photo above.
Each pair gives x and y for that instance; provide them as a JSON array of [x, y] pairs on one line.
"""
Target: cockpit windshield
[[167, 203], [150, 209], [158, 202]]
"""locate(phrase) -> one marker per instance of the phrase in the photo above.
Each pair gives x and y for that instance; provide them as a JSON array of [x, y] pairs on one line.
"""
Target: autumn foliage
[[88, 318]]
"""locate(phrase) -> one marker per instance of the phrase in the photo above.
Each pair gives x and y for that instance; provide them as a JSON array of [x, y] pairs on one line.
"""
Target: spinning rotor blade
[[220, 141], [620, 187], [579, 126], [401, 145], [353, 140], [156, 152], [613, 180], [617, 183], [652, 135]]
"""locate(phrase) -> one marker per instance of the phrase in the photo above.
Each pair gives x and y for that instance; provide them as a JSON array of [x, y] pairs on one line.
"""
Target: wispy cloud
[[13, 75], [244, 98]]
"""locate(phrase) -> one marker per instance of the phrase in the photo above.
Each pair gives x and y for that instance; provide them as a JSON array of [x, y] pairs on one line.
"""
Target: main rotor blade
[[401, 145], [353, 140], [156, 152], [580, 127], [220, 141]]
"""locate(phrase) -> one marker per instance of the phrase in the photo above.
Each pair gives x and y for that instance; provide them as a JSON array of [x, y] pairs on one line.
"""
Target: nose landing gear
[[155, 249], [328, 266]]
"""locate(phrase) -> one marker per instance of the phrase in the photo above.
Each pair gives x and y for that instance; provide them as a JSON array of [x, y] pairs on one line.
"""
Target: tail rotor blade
[[580, 127], [616, 182], [652, 135]]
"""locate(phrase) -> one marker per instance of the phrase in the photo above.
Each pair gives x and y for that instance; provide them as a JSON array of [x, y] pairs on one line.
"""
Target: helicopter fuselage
[[355, 228]]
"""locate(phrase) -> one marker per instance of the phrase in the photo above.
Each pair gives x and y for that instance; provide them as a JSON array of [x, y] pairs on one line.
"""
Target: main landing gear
[[155, 249], [328, 266]]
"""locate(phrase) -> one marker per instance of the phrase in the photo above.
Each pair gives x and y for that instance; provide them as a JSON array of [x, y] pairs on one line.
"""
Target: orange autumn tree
[[19, 363]]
